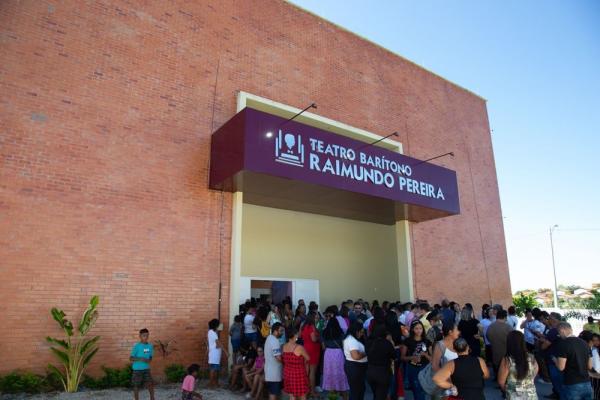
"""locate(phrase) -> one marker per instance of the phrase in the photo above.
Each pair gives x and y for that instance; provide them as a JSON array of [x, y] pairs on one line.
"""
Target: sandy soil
[[172, 392], [162, 392]]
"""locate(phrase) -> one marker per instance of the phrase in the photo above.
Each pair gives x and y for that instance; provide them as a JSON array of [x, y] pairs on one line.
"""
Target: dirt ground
[[162, 392], [173, 392]]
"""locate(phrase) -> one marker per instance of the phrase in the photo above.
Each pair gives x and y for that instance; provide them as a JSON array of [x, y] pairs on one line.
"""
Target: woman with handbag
[[444, 349], [416, 353], [463, 377]]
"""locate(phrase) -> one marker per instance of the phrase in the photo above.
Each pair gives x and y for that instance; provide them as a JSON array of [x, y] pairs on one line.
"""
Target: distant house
[[581, 292]]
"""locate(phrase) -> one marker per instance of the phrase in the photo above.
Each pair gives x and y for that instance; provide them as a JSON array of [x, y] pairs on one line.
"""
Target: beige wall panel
[[351, 259]]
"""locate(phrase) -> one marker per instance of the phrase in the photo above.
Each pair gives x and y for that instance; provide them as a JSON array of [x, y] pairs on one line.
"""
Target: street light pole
[[554, 267]]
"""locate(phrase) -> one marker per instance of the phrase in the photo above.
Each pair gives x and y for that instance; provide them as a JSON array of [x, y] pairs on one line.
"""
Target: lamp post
[[552, 228]]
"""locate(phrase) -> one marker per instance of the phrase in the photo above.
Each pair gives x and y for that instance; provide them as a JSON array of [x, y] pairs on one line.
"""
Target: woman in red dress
[[312, 344], [295, 367]]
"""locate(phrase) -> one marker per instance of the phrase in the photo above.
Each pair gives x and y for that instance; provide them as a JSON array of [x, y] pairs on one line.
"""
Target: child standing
[[214, 353], [189, 383], [141, 356]]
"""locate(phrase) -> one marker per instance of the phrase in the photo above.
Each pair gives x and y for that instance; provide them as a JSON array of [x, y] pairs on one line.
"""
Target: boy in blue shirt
[[141, 356]]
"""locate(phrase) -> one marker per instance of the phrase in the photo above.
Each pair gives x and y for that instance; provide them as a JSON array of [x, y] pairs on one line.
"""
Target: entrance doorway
[[273, 291], [277, 289]]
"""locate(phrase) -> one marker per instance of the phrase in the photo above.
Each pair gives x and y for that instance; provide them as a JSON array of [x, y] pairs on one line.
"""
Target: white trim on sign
[[283, 110]]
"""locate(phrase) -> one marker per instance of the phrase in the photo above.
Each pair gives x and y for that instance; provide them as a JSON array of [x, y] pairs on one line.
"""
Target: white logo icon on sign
[[289, 149]]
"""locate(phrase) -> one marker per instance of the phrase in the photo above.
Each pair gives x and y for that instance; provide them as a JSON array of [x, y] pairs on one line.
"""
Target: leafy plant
[[76, 352], [524, 301], [593, 304], [165, 347], [89, 382], [113, 377], [175, 373], [52, 382], [17, 382], [116, 377]]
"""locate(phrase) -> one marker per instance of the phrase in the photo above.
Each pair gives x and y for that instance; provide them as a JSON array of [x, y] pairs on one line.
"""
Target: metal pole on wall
[[554, 267]]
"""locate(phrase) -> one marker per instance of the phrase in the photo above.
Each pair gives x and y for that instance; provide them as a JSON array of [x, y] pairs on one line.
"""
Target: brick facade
[[106, 112]]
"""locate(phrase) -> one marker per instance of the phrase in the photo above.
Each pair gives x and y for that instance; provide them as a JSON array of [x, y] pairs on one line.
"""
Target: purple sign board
[[254, 143]]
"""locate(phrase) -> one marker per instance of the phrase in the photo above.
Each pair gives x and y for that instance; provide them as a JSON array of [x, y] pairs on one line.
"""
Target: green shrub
[[522, 302], [175, 373], [11, 383], [90, 382], [18, 382], [116, 377], [113, 377], [52, 382]]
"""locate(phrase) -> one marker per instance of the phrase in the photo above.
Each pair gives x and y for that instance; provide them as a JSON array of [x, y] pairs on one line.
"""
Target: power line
[[580, 230]]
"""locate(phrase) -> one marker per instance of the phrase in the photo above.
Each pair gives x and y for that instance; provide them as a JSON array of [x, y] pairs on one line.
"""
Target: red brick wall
[[106, 113]]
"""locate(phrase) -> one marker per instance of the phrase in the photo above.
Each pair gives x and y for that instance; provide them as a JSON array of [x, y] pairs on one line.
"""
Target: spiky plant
[[75, 351]]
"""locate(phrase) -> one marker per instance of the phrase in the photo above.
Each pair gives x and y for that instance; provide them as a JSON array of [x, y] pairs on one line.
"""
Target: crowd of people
[[440, 352]]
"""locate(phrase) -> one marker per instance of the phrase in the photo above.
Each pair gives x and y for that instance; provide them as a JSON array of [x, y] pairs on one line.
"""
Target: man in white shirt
[[532, 327], [489, 316], [512, 319], [273, 366]]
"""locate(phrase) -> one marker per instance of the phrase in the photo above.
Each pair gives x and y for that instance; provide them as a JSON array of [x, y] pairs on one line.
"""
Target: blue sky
[[538, 65]]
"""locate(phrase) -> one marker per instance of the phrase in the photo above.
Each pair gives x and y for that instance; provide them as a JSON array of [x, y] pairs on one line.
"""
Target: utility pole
[[554, 267]]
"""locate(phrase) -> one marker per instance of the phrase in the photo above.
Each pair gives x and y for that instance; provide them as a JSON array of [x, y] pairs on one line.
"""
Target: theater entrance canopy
[[285, 164]]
